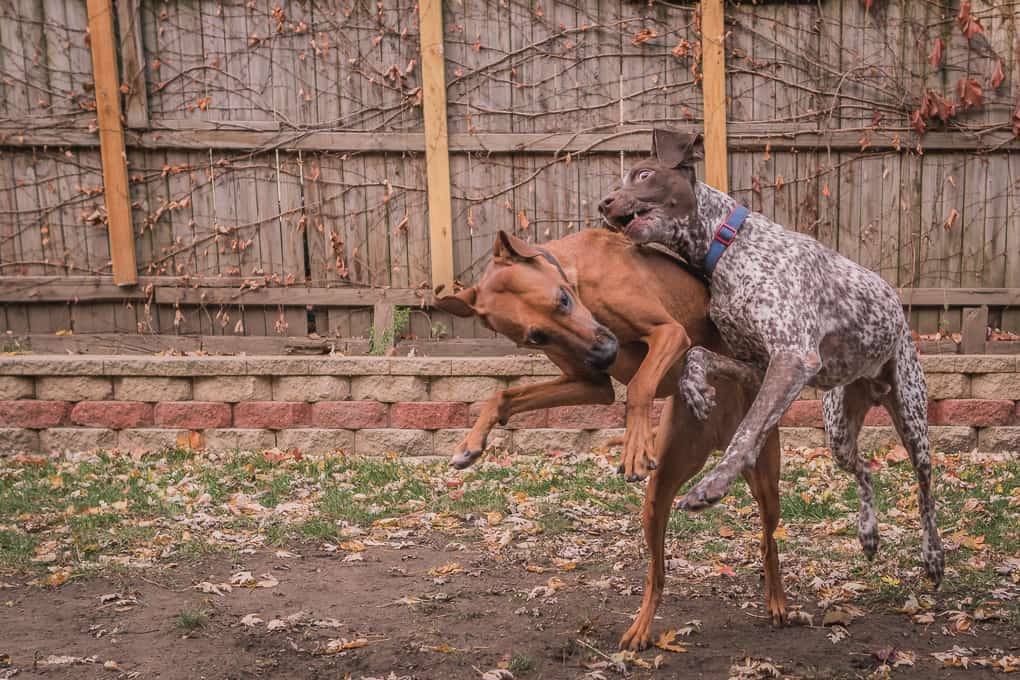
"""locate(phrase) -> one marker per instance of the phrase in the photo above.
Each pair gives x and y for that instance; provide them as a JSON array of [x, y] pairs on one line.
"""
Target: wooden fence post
[[111, 142], [136, 108], [437, 153], [713, 88]]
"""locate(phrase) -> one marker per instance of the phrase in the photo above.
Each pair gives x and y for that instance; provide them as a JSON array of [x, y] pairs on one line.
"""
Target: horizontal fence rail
[[284, 148]]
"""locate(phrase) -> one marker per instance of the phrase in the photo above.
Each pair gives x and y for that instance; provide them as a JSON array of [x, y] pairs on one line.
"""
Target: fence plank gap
[[111, 142], [437, 155], [136, 108]]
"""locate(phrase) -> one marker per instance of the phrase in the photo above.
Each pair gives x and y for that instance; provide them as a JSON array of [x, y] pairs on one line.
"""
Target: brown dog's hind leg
[[763, 479], [676, 466]]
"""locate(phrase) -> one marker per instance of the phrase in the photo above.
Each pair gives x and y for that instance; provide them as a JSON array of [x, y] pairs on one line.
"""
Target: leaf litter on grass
[[569, 516]]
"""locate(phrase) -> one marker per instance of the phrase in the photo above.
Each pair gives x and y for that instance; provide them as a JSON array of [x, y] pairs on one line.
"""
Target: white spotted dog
[[797, 313]]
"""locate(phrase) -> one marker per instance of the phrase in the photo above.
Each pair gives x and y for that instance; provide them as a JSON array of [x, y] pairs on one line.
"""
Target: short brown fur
[[656, 310]]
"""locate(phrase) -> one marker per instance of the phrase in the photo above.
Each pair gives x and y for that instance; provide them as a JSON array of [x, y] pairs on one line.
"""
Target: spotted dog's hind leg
[[699, 365], [843, 411], [907, 403]]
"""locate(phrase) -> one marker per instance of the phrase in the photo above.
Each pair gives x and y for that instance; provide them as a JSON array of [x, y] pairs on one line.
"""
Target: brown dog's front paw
[[637, 638], [637, 460], [467, 453], [777, 609]]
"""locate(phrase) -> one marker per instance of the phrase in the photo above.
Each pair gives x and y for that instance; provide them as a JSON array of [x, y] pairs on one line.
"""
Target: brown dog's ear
[[461, 304], [509, 246], [674, 149]]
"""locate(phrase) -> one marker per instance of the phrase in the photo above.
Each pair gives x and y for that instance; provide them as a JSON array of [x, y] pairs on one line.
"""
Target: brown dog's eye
[[643, 175]]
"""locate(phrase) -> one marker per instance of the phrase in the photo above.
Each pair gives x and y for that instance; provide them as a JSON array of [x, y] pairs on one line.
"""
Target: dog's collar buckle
[[724, 235]]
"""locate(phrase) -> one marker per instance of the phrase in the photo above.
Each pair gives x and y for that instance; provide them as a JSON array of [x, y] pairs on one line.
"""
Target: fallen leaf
[[498, 674], [667, 641], [446, 569], [251, 620], [799, 617], [842, 614], [342, 644], [897, 454], [213, 588]]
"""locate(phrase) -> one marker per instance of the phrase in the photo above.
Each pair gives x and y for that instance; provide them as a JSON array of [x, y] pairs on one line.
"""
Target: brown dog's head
[[656, 201], [525, 295]]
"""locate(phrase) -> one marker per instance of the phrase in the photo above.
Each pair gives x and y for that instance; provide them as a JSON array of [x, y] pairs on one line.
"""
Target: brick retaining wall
[[411, 406]]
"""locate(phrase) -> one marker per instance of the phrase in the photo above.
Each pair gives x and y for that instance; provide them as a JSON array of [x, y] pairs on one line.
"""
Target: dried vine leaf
[[970, 93], [935, 56], [997, 75], [968, 23]]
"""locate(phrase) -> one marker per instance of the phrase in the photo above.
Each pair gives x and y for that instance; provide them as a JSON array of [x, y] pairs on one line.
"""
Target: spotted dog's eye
[[643, 175], [537, 338], [564, 301]]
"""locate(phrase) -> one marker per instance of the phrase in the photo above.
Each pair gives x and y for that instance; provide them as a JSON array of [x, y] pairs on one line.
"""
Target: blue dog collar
[[724, 236]]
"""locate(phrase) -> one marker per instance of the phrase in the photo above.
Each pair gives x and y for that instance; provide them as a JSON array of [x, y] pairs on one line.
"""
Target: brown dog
[[586, 300]]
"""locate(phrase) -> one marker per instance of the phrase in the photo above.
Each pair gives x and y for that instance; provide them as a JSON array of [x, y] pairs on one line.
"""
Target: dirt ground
[[271, 565], [474, 621]]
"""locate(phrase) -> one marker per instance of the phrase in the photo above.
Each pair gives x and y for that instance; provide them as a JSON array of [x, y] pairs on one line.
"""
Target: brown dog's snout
[[603, 352]]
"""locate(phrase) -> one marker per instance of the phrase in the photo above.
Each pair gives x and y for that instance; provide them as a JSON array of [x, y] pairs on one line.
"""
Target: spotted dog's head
[[656, 201]]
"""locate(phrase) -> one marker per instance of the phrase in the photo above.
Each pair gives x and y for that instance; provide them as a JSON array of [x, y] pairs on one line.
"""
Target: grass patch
[[191, 620], [520, 663], [16, 549]]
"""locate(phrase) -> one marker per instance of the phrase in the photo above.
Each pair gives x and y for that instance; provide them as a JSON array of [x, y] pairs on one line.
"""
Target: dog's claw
[[463, 459]]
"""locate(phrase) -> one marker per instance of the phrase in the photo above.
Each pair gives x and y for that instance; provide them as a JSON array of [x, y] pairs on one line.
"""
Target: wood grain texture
[[111, 140], [713, 87], [437, 156]]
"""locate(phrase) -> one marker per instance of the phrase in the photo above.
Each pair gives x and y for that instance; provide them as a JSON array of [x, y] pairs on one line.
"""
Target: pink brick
[[115, 415], [974, 412], [32, 413], [588, 417], [521, 421], [428, 415], [877, 416], [192, 415], [350, 415], [272, 415], [806, 413]]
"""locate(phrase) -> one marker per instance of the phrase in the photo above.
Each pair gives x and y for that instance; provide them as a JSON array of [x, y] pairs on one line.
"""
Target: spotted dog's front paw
[[700, 399], [707, 492]]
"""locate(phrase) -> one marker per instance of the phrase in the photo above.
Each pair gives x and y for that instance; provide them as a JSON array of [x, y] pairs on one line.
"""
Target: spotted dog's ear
[[460, 304], [676, 149], [509, 246]]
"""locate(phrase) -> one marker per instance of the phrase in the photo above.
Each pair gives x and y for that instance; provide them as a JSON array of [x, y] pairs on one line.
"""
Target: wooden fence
[[276, 150]]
